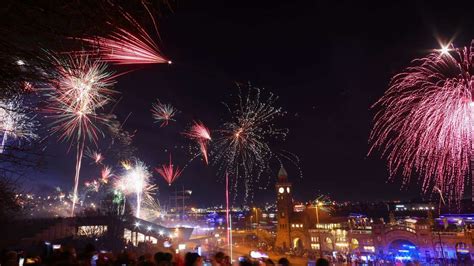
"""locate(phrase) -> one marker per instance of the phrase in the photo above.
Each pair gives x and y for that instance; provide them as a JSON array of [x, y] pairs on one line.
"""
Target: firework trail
[[136, 180], [81, 90], [163, 113], [169, 172], [124, 47], [202, 136], [16, 122], [242, 147], [424, 124]]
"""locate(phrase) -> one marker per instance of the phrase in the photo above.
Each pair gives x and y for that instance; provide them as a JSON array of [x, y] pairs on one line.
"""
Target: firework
[[15, 122], [124, 47], [201, 135], [169, 172], [241, 148], [92, 186], [127, 165], [151, 210], [106, 174], [163, 113], [136, 180], [81, 90], [97, 157], [425, 118]]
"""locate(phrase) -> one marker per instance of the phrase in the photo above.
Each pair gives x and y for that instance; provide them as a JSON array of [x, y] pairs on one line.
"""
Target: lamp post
[[316, 208], [256, 220]]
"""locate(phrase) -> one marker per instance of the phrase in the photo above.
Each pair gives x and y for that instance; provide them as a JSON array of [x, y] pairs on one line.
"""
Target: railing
[[448, 233], [361, 232], [400, 228]]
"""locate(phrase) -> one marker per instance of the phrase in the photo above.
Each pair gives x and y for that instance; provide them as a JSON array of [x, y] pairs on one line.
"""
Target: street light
[[316, 208], [256, 219]]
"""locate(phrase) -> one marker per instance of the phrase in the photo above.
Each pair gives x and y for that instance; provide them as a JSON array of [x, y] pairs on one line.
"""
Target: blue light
[[402, 258]]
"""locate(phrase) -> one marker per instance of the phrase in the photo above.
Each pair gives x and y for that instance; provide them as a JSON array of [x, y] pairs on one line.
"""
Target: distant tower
[[284, 209]]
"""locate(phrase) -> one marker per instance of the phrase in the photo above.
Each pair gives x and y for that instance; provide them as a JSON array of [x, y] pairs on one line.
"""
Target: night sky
[[327, 60]]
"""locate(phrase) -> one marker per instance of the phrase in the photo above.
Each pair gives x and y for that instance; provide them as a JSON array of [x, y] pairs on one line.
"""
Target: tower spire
[[282, 174]]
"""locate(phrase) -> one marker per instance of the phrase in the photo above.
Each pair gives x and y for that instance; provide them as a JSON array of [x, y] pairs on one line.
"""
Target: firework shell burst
[[16, 122], [242, 147], [163, 113], [424, 123], [81, 89]]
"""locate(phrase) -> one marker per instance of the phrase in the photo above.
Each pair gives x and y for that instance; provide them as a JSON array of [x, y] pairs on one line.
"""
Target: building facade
[[312, 230]]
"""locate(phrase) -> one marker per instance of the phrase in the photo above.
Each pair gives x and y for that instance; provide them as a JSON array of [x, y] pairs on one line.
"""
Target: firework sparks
[[137, 181], [81, 89], [106, 174], [425, 121], [123, 47], [241, 148], [127, 165], [163, 113], [94, 185], [97, 157], [151, 210], [201, 135], [169, 172], [15, 122]]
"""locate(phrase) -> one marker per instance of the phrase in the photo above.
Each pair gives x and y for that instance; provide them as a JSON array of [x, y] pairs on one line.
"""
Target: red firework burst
[[169, 172]]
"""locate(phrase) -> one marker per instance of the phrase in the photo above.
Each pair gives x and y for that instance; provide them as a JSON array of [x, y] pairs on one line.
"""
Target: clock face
[[281, 190], [288, 189]]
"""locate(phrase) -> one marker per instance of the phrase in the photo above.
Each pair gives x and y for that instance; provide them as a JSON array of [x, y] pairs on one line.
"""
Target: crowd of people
[[91, 257]]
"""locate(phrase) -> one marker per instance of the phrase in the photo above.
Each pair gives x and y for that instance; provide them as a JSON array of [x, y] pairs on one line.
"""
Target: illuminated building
[[356, 236]]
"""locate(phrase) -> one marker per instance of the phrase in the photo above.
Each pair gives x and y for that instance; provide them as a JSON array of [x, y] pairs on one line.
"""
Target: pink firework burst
[[201, 135], [424, 124], [169, 172], [122, 47], [163, 113]]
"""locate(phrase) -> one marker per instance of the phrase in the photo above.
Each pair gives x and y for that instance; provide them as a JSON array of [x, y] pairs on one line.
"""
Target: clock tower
[[284, 209]]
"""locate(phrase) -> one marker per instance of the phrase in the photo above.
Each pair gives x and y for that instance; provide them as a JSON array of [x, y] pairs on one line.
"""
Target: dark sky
[[327, 60]]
